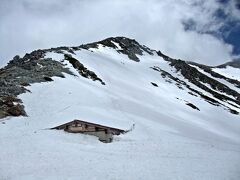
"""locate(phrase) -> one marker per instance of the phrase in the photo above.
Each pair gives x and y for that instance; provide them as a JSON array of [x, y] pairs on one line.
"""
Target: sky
[[204, 31]]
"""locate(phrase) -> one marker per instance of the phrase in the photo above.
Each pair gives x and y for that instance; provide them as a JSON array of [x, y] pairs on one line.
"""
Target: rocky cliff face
[[36, 67]]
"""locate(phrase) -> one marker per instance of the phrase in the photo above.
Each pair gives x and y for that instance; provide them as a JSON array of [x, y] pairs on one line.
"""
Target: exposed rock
[[193, 91], [34, 68], [196, 77], [235, 64], [199, 79], [193, 106], [16, 58], [154, 84], [3, 114], [9, 103], [83, 71], [47, 78], [209, 70], [20, 73], [129, 47], [192, 94], [17, 110], [24, 84], [233, 111], [166, 58]]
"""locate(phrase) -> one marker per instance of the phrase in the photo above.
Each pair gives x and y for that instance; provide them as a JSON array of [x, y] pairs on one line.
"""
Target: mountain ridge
[[185, 115], [34, 68]]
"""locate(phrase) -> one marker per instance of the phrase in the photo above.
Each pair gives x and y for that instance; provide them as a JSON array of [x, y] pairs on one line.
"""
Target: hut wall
[[102, 136], [81, 127]]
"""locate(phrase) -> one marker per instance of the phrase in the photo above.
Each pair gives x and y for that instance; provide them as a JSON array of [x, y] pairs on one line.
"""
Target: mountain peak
[[235, 64], [44, 64], [127, 46], [176, 111]]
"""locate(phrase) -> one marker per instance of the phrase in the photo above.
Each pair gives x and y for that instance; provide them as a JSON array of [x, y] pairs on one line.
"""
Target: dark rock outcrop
[[10, 105], [16, 110], [154, 84], [129, 47], [209, 70], [34, 67], [199, 79], [181, 84], [193, 106], [83, 71], [235, 64], [20, 73]]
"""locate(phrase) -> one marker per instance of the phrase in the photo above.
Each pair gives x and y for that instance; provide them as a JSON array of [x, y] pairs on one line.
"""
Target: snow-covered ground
[[170, 140], [223, 81], [230, 72]]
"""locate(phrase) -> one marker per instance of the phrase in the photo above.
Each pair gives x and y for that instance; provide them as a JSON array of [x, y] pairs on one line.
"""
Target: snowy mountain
[[186, 114]]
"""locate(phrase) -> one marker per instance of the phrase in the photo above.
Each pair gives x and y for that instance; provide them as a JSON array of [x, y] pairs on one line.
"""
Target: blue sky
[[231, 35], [229, 31], [204, 31]]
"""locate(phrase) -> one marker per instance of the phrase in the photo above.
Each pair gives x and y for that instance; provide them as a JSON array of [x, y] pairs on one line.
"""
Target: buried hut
[[104, 133]]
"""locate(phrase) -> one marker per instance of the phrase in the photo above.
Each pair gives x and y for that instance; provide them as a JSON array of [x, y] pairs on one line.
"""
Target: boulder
[[17, 110]]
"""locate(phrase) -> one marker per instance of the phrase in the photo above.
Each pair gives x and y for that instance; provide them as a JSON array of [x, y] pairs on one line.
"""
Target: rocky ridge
[[35, 68]]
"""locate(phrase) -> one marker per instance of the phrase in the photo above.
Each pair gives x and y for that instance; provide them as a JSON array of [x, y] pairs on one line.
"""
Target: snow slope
[[230, 72], [170, 141]]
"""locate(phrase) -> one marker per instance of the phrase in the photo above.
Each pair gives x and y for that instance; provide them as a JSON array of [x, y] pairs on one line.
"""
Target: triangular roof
[[90, 123]]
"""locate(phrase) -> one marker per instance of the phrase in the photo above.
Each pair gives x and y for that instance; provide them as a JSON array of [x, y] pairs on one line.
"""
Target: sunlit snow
[[170, 140]]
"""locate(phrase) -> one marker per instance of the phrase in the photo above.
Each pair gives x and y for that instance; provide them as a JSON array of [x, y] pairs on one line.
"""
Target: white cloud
[[29, 24]]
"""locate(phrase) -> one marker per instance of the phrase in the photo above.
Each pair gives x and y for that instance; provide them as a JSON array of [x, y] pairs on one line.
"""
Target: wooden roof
[[91, 124]]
